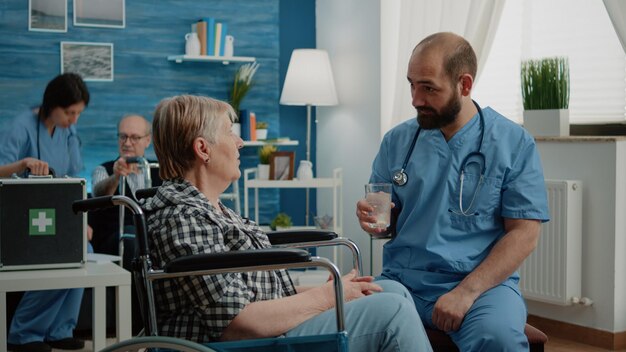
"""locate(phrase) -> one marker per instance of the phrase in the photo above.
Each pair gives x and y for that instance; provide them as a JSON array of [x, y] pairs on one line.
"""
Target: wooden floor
[[561, 345], [554, 345]]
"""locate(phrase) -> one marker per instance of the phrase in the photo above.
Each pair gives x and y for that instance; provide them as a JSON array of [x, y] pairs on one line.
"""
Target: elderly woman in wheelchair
[[199, 158]]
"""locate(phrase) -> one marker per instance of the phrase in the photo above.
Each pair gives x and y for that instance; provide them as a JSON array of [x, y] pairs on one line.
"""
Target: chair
[[206, 264], [441, 342]]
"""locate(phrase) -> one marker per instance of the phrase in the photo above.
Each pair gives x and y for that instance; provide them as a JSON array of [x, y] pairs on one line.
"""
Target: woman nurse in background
[[45, 137], [35, 142]]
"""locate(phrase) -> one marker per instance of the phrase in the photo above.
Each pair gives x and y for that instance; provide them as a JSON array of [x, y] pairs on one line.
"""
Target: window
[[578, 29]]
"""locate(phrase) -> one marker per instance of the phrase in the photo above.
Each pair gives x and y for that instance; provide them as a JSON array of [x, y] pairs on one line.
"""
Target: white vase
[[263, 172], [305, 170], [236, 128], [261, 134], [553, 122], [192, 44]]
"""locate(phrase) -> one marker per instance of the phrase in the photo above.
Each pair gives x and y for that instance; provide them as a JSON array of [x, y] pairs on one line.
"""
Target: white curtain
[[475, 20], [617, 13]]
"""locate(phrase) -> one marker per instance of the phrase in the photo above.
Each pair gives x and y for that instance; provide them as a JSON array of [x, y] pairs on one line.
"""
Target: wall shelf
[[205, 58], [262, 143]]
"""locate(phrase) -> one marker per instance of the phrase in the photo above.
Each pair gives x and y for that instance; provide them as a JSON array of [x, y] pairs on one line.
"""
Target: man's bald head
[[457, 55]]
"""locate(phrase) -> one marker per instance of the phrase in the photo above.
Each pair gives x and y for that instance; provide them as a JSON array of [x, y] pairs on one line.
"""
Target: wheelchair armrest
[[235, 259], [85, 205], [146, 193], [300, 236]]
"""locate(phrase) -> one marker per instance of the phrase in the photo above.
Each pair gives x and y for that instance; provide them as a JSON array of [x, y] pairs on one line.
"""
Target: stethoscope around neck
[[400, 177]]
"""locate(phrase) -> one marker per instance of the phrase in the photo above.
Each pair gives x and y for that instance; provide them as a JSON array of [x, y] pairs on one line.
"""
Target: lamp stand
[[308, 158]]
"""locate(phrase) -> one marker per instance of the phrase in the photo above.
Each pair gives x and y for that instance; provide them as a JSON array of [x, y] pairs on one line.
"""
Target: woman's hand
[[36, 166], [353, 287]]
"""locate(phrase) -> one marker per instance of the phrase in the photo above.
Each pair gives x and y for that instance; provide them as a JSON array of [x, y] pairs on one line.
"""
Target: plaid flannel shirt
[[181, 221]]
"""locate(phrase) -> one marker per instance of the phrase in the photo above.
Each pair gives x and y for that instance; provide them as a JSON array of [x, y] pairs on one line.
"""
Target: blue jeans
[[385, 321]]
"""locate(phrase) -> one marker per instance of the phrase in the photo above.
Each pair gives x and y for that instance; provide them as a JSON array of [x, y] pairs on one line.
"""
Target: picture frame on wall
[[281, 165], [92, 61], [100, 13], [47, 15]]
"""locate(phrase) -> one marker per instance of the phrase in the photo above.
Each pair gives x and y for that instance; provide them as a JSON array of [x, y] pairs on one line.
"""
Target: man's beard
[[429, 118]]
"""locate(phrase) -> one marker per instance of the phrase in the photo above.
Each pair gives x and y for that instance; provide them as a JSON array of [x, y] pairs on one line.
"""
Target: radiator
[[552, 273]]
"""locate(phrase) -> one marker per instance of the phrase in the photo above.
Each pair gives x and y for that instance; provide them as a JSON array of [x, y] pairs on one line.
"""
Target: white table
[[98, 276]]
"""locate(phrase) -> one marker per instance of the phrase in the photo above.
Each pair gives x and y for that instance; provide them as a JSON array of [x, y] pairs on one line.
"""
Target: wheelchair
[[217, 263]]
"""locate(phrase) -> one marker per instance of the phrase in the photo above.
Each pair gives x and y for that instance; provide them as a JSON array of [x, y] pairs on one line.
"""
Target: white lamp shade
[[309, 79]]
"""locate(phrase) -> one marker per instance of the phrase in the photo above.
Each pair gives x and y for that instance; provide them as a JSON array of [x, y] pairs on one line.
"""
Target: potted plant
[[545, 94], [241, 85], [263, 169], [281, 221], [261, 130]]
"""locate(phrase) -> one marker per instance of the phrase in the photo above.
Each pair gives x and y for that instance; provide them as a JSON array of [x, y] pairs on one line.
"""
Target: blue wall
[[143, 76], [297, 31]]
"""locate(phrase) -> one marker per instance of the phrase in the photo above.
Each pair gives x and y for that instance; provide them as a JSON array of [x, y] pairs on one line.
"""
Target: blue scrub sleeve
[[524, 191], [14, 143], [74, 144]]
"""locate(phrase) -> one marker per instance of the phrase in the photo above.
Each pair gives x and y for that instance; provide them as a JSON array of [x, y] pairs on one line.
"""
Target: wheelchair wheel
[[153, 342]]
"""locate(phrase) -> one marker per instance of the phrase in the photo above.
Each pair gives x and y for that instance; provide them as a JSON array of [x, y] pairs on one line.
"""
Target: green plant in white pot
[[265, 154], [282, 221], [261, 130], [545, 94]]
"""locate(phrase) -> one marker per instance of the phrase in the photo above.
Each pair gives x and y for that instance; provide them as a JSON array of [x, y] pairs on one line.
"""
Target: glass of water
[[378, 195]]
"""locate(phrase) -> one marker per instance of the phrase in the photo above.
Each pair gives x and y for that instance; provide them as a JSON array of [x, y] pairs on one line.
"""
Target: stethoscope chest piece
[[400, 178]]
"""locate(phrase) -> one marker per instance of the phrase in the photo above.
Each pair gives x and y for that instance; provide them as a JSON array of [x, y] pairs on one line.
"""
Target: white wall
[[348, 135], [601, 167]]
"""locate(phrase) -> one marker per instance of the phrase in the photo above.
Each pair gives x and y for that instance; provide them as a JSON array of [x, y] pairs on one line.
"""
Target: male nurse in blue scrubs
[[459, 240], [36, 141]]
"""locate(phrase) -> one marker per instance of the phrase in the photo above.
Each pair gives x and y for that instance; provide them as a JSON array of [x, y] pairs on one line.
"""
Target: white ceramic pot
[[261, 134], [263, 172], [192, 44], [305, 170], [547, 122]]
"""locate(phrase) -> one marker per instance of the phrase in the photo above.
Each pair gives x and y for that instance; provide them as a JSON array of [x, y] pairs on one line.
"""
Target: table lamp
[[309, 81]]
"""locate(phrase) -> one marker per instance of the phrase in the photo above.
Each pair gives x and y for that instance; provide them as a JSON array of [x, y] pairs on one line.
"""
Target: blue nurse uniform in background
[[435, 244], [43, 315]]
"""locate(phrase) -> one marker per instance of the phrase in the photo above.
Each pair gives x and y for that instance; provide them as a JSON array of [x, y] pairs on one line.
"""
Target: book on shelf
[[210, 35], [244, 120], [223, 38], [252, 126], [218, 38], [201, 28]]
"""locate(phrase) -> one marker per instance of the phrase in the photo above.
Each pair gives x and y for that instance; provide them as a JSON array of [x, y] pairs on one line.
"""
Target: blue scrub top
[[61, 150], [435, 245]]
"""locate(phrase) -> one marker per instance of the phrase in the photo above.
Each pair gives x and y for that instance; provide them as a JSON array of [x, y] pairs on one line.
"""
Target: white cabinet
[[333, 183]]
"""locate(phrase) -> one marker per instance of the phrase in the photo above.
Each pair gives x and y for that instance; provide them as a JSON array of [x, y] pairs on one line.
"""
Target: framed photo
[[281, 165], [100, 13], [92, 61], [47, 15]]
